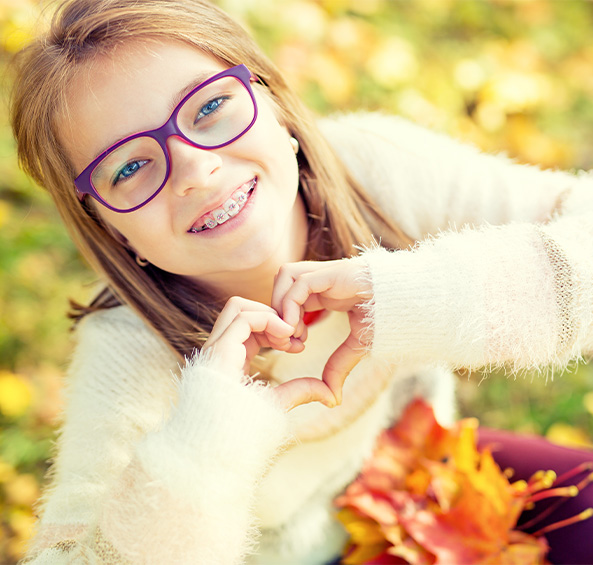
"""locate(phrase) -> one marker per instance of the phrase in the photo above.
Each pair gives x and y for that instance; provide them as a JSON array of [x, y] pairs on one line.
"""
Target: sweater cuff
[[223, 425]]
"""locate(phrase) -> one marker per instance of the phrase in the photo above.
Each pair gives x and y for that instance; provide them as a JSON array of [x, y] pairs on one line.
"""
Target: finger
[[285, 279], [290, 345], [341, 363], [243, 338], [288, 274], [245, 324], [303, 391], [297, 345], [233, 307], [250, 349], [303, 294], [301, 330], [252, 346]]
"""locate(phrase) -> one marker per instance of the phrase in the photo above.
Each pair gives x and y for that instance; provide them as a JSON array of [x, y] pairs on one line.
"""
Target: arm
[[138, 480], [507, 278], [519, 295]]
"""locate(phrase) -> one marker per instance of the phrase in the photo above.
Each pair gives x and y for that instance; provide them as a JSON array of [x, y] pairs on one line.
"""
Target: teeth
[[220, 215], [229, 209], [240, 197], [211, 223]]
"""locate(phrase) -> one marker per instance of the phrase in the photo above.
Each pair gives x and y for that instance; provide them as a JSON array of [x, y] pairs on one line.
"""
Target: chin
[[261, 257]]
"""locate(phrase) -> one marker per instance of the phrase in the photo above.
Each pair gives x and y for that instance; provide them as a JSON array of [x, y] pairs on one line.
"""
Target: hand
[[334, 285], [242, 329]]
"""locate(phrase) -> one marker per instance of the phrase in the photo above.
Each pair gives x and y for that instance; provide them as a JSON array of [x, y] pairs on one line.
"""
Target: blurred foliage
[[507, 76]]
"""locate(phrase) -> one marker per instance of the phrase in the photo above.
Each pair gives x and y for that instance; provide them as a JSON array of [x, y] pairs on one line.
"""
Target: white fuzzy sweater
[[158, 464]]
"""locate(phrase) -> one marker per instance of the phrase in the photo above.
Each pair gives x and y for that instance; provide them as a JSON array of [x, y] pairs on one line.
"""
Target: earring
[[295, 144], [141, 261]]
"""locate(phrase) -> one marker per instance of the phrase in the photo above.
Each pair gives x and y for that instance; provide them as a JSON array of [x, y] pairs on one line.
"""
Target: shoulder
[[380, 149], [119, 328], [388, 130], [118, 361], [373, 146], [376, 123], [119, 386], [395, 161], [118, 339]]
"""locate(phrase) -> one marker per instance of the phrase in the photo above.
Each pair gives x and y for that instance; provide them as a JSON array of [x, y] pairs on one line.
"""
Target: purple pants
[[527, 454]]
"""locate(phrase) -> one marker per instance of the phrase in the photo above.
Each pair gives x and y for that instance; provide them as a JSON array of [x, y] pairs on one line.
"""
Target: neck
[[256, 284]]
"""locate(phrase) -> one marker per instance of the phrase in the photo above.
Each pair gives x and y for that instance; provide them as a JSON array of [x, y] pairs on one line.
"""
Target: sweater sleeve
[[152, 468], [504, 276]]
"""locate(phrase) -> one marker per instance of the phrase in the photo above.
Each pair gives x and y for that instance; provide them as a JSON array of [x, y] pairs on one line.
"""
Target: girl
[[252, 340]]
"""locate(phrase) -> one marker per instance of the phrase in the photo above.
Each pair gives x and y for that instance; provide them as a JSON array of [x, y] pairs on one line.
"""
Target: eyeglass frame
[[83, 182]]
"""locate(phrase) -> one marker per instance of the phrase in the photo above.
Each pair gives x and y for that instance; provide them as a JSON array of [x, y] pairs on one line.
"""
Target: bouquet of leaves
[[429, 496]]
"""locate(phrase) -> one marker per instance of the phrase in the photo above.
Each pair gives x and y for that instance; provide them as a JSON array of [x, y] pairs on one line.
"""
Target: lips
[[225, 211]]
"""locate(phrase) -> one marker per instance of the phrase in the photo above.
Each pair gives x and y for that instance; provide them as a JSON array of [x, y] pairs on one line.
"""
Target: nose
[[191, 167]]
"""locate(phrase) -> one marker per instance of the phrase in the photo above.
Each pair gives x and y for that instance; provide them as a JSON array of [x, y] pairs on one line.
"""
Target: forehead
[[131, 89]]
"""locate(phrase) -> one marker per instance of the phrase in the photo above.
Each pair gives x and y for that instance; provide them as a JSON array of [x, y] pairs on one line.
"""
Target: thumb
[[303, 391], [340, 363]]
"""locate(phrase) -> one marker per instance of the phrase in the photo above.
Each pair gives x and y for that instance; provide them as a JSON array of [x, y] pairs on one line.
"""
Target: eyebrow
[[198, 79]]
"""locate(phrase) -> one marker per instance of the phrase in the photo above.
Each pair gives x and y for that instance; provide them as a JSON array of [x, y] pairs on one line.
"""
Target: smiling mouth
[[225, 212]]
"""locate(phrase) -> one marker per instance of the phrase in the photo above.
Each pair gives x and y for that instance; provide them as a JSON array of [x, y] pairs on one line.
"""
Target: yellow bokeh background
[[508, 76]]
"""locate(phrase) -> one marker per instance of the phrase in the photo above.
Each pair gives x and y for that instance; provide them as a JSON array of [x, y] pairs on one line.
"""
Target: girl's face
[[135, 89]]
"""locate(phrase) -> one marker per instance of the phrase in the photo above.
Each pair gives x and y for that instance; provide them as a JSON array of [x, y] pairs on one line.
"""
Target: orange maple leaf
[[429, 496]]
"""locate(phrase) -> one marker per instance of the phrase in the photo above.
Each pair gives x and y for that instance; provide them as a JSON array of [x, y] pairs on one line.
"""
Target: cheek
[[269, 135], [277, 155], [130, 229]]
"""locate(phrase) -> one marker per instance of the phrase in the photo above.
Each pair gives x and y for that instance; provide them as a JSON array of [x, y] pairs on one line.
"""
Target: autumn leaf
[[429, 496]]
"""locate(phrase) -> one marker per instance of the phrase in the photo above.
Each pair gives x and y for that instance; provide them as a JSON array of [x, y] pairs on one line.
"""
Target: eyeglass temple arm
[[255, 78], [79, 194]]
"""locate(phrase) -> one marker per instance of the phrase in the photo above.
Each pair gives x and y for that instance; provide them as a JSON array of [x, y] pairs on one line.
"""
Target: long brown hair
[[340, 214]]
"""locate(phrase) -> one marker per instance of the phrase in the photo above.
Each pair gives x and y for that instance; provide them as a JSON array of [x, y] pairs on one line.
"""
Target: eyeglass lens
[[214, 115]]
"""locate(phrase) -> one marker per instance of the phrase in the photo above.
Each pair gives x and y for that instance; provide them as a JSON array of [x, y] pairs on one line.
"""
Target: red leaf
[[436, 499]]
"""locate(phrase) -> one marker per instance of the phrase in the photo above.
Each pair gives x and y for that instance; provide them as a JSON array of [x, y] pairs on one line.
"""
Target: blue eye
[[128, 170], [210, 108]]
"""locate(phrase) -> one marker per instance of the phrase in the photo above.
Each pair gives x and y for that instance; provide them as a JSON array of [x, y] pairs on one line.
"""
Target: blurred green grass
[[507, 76]]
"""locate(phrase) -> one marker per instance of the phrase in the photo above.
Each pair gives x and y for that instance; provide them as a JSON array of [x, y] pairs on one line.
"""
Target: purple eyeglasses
[[133, 171]]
